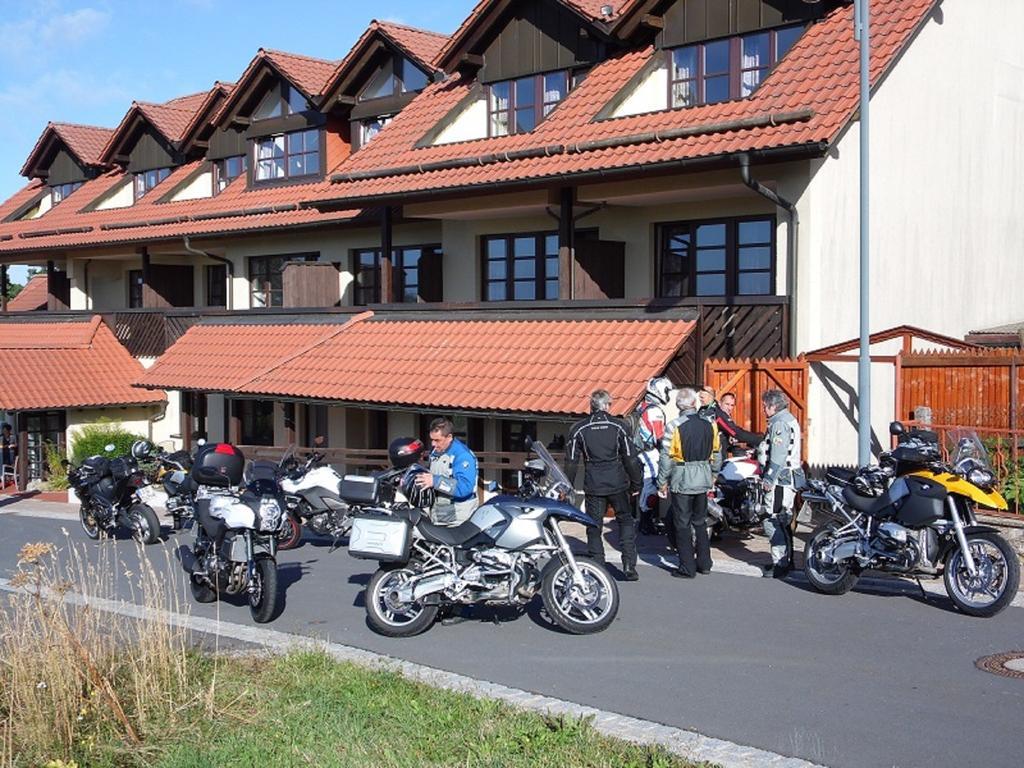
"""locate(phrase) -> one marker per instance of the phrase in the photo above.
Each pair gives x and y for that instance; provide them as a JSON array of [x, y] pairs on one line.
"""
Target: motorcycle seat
[[868, 505], [443, 534]]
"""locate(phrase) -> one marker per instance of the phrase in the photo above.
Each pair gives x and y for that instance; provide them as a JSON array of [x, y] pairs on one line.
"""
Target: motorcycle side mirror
[[896, 428], [109, 447]]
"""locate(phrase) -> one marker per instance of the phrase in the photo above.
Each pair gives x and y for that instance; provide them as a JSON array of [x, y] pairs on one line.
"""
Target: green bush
[[91, 439], [57, 475]]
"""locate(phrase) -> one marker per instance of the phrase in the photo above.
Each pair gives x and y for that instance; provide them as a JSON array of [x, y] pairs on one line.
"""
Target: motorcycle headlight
[[983, 478]]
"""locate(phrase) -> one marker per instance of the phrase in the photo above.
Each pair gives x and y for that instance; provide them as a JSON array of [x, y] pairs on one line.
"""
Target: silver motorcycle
[[508, 551]]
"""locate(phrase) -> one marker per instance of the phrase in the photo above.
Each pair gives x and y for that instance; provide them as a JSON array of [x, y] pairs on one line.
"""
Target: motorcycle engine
[[895, 546]]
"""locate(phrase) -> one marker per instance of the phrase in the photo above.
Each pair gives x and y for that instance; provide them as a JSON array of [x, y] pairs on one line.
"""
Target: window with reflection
[[727, 257], [60, 191], [287, 155], [520, 267], [370, 128], [396, 76], [281, 102], [518, 106], [409, 266], [731, 68], [227, 170], [147, 180]]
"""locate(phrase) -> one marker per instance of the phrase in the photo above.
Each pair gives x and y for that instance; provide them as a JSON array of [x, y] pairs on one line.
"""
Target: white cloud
[[75, 27], [23, 41]]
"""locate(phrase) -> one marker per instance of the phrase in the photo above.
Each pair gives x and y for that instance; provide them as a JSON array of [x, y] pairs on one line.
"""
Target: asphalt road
[[867, 679]]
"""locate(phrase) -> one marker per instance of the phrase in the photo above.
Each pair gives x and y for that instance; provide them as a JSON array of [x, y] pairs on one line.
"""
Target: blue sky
[[85, 62]]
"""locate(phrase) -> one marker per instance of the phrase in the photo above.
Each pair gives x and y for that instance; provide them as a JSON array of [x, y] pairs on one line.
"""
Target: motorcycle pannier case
[[94, 468], [360, 489], [380, 537], [219, 465]]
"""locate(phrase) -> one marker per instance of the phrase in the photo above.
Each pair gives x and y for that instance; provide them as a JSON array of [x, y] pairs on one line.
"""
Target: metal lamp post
[[862, 33]]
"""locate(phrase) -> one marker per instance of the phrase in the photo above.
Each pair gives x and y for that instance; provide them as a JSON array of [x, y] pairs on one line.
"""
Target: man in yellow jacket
[[687, 467]]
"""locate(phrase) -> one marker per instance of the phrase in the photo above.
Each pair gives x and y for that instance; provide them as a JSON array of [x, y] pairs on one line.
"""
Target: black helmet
[[141, 449], [423, 498], [405, 451]]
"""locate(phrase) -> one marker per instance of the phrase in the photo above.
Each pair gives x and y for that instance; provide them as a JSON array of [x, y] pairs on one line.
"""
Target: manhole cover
[[1005, 664]]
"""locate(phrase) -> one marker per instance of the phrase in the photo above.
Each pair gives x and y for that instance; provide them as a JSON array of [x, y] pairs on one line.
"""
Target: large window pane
[[759, 231], [496, 292], [716, 57], [684, 63], [496, 248], [755, 284], [525, 291], [716, 89], [755, 257], [500, 96], [383, 83], [496, 270], [711, 260], [525, 246], [525, 92], [711, 285], [413, 78], [784, 39], [525, 268], [526, 120], [710, 235], [726, 257], [754, 51]]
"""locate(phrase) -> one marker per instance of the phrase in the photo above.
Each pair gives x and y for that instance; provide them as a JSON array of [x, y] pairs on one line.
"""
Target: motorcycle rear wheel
[[265, 599], [385, 615], [291, 532], [831, 580], [89, 522], [580, 610], [998, 575]]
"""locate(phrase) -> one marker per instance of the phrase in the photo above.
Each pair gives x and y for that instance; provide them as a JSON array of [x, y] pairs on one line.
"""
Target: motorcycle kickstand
[[924, 595]]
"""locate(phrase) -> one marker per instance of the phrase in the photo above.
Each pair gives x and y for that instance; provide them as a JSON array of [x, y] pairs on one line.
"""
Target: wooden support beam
[[387, 289], [471, 60], [186, 421], [3, 287], [290, 431], [651, 21], [21, 425], [235, 422], [566, 244]]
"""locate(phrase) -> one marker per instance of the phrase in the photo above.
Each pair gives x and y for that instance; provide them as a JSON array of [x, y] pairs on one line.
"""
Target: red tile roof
[[420, 44], [307, 73], [170, 119], [521, 366], [67, 365], [86, 142], [34, 295], [806, 100], [222, 357]]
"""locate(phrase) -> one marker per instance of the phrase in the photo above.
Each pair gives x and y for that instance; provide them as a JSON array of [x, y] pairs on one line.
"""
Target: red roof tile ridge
[[64, 124], [354, 320], [399, 25], [274, 52]]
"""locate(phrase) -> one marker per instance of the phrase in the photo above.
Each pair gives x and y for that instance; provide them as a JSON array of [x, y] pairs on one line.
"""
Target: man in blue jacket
[[453, 475]]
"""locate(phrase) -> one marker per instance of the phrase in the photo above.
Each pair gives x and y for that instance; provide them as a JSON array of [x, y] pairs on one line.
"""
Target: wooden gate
[[748, 379]]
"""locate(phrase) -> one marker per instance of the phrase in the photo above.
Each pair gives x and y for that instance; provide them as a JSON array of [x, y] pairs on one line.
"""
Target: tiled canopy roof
[[33, 296], [70, 365], [517, 366], [805, 101]]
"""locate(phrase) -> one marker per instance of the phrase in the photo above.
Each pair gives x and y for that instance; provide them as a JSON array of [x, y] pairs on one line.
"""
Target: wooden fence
[[749, 379], [983, 388]]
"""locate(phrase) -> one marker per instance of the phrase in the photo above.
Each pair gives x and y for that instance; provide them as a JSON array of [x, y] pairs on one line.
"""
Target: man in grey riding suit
[[782, 475], [453, 475]]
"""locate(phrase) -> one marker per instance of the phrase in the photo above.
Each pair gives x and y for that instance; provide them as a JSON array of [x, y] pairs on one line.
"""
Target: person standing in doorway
[[8, 445], [611, 476]]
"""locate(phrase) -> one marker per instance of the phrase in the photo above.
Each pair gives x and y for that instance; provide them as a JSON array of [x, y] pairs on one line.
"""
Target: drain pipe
[[227, 262], [791, 240]]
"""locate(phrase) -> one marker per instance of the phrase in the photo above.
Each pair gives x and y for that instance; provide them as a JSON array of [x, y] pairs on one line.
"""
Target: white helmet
[[659, 390]]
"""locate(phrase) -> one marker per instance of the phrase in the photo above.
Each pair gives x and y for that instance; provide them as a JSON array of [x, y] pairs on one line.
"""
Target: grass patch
[[82, 687]]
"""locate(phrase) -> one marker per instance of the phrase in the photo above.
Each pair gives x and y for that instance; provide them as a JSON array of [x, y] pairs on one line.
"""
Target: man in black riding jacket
[[611, 475]]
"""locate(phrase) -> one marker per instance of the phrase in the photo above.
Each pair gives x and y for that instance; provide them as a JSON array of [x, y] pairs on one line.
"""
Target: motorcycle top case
[[380, 537], [219, 464], [94, 468], [360, 489]]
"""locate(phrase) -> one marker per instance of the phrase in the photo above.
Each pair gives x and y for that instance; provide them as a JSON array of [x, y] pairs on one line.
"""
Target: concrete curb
[[688, 744]]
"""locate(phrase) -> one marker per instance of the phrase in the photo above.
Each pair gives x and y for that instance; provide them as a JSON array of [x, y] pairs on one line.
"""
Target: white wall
[[649, 95], [201, 186], [947, 235], [469, 124], [136, 419], [121, 196]]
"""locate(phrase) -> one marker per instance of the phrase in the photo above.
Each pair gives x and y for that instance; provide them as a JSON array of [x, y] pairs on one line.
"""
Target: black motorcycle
[[173, 477], [108, 492], [508, 551]]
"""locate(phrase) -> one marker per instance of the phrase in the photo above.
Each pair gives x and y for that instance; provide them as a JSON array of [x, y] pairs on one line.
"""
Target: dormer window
[[721, 70], [368, 129], [398, 75], [280, 102], [146, 180], [60, 191], [518, 106], [227, 170], [287, 156]]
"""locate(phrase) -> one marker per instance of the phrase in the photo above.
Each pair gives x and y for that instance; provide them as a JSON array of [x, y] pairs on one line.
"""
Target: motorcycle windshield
[[555, 478], [966, 451]]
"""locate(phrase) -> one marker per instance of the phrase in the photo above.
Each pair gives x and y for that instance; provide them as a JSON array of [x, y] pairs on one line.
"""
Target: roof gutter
[[792, 235], [227, 262]]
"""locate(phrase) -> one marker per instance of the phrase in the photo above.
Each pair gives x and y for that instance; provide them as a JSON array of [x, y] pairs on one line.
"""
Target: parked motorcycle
[[108, 491], [235, 546], [509, 549], [264, 478], [920, 523], [173, 477], [312, 492]]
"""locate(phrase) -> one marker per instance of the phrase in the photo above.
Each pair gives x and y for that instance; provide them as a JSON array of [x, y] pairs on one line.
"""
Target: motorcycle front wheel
[[997, 576], [580, 608], [145, 524], [829, 578], [90, 524], [264, 595], [387, 614]]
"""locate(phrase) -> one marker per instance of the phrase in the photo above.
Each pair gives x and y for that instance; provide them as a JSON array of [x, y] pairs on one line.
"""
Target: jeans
[[595, 507], [690, 516]]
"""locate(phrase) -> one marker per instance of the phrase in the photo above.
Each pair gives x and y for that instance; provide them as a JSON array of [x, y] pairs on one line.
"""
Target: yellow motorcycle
[[915, 516]]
